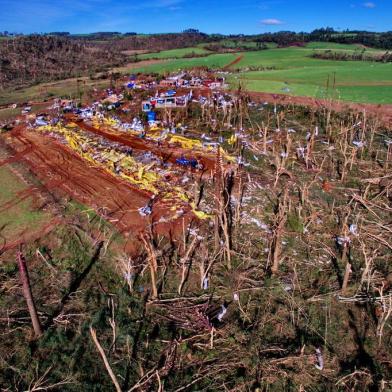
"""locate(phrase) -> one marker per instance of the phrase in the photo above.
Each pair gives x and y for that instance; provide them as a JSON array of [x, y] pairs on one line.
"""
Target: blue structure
[[151, 116], [187, 162]]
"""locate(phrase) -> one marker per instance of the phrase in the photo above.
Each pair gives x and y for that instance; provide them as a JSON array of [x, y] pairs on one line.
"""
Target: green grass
[[173, 54], [356, 81], [294, 68], [212, 61], [18, 217]]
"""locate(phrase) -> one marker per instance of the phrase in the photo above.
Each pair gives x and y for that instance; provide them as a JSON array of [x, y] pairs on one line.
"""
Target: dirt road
[[62, 171]]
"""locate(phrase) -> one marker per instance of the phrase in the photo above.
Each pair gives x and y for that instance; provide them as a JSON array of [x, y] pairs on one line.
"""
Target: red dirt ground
[[164, 150], [62, 171], [236, 61]]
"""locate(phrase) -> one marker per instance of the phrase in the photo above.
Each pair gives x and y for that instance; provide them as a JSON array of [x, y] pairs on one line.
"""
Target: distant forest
[[31, 59]]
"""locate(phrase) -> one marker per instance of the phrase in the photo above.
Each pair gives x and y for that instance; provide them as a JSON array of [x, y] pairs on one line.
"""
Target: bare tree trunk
[[152, 260], [347, 274], [105, 359], [24, 278]]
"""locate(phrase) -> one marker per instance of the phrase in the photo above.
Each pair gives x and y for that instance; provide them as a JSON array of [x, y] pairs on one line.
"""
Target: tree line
[[356, 56]]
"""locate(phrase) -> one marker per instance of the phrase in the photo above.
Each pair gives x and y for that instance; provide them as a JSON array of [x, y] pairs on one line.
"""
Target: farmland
[[174, 53], [292, 71]]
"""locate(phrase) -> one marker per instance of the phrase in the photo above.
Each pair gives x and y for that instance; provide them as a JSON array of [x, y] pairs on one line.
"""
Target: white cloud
[[272, 22], [369, 4]]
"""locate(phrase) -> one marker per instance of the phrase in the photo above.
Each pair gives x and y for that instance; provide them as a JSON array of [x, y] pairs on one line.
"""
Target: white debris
[[301, 152], [144, 211], [236, 297], [128, 276], [353, 229], [260, 224], [320, 360], [205, 283], [222, 313], [343, 240], [359, 144]]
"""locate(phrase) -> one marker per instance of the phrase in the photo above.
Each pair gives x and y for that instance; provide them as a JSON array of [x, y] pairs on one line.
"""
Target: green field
[[296, 73], [213, 61], [20, 216], [174, 53], [293, 71]]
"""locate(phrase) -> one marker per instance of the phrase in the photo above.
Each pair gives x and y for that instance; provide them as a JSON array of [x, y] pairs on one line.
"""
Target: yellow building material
[[142, 176]]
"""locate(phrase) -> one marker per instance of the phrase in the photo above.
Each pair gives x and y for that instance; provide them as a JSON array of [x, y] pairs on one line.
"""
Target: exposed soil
[[236, 61], [168, 153], [62, 171], [383, 112]]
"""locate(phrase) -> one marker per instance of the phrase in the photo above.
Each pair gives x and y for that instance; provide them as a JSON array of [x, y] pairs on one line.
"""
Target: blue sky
[[210, 16]]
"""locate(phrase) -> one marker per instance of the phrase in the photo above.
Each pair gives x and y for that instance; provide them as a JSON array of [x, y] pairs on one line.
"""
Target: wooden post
[[24, 278]]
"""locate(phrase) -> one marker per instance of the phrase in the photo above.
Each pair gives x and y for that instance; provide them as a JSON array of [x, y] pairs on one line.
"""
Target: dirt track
[[62, 171], [236, 61], [164, 150], [383, 112]]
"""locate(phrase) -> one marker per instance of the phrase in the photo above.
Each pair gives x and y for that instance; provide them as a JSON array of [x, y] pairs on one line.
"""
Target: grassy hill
[[174, 53], [293, 71]]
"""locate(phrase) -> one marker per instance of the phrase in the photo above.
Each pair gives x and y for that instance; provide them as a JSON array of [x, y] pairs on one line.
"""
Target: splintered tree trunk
[[218, 197], [152, 260], [24, 278], [346, 278], [277, 240]]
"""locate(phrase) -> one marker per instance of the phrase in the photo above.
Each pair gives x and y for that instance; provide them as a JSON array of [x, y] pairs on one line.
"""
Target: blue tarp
[[187, 162], [151, 116]]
